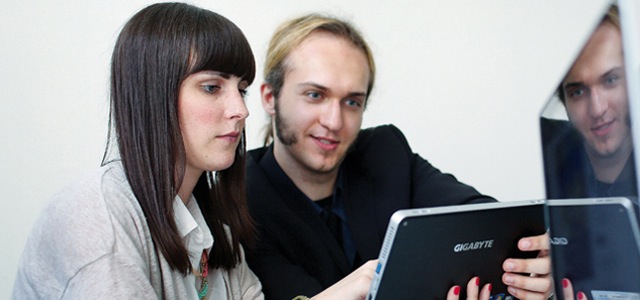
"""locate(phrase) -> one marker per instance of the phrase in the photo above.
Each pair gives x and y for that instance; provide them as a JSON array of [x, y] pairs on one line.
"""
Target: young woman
[[133, 229]]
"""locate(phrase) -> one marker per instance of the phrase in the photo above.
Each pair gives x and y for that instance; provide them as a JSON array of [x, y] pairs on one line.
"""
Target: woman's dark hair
[[158, 48]]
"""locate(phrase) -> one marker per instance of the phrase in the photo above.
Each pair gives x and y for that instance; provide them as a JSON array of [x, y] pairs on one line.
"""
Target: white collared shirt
[[197, 237]]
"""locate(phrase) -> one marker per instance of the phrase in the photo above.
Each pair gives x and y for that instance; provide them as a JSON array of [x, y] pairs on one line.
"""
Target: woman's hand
[[357, 284], [473, 290], [567, 291], [536, 282]]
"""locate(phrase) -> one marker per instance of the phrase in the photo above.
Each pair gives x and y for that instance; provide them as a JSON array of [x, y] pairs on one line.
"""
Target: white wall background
[[465, 80]]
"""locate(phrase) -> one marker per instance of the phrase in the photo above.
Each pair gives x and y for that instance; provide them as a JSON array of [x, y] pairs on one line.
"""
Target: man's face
[[596, 95], [318, 113]]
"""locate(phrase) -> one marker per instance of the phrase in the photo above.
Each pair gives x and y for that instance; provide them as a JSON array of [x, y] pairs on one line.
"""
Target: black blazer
[[296, 254]]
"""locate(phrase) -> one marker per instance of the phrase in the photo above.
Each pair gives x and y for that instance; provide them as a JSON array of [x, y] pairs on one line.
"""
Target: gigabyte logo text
[[473, 246]]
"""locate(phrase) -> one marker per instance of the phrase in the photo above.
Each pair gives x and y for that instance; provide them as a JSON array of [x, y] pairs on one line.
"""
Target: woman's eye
[[210, 88]]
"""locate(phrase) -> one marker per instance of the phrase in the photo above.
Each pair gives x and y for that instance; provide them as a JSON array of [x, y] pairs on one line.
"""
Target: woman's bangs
[[221, 46]]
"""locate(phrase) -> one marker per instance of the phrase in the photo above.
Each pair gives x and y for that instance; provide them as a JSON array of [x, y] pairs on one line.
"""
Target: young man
[[598, 160], [323, 191]]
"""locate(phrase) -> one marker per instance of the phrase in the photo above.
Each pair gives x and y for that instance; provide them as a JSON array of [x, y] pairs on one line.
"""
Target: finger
[[567, 289], [361, 278], [369, 266], [473, 287], [527, 294], [365, 271], [454, 293], [485, 293], [354, 286], [538, 265], [582, 296], [543, 253], [534, 243], [538, 284]]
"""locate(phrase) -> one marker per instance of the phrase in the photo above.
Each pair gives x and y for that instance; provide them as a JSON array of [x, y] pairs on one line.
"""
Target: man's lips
[[602, 128], [326, 143]]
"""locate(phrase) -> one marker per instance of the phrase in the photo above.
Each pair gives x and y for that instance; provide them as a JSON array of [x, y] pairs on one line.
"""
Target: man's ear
[[268, 99]]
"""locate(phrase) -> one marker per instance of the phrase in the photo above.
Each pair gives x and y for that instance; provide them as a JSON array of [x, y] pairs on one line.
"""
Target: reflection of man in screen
[[595, 97]]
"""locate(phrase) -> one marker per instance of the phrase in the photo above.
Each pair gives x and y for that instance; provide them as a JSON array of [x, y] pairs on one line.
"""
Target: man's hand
[[530, 278]]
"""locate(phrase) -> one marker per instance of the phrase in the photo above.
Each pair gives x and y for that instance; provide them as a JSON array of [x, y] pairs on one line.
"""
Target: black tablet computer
[[595, 243], [427, 251]]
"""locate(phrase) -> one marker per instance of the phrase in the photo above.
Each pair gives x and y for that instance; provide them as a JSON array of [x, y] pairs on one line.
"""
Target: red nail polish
[[477, 281], [456, 290], [581, 295], [490, 286], [565, 283]]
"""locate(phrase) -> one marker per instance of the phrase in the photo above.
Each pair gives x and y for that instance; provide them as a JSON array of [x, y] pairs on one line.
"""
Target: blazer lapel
[[360, 205], [299, 209], [316, 224]]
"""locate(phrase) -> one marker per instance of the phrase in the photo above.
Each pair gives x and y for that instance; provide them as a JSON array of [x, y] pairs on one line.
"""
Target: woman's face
[[212, 115]]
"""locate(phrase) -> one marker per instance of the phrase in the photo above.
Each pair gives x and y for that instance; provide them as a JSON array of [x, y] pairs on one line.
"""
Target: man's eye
[[611, 80], [243, 92], [353, 103], [576, 93], [314, 95]]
